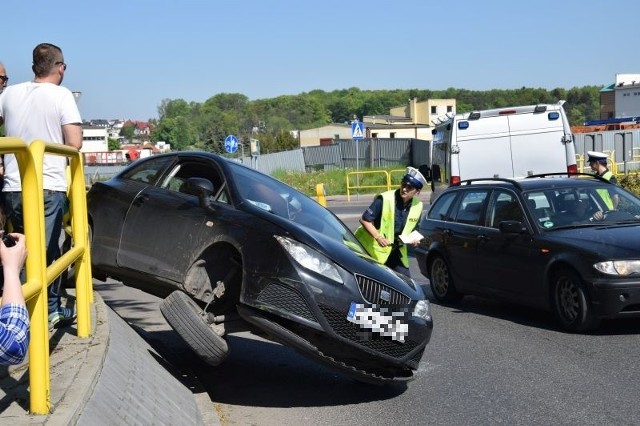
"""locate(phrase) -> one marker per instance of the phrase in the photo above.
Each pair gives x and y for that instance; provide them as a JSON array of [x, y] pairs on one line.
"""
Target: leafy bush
[[631, 182]]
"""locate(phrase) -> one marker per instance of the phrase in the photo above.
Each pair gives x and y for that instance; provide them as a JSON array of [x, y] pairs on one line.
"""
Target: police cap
[[597, 156]]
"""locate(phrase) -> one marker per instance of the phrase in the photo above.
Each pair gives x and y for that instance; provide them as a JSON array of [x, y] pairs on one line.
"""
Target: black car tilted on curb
[[230, 249], [567, 244]]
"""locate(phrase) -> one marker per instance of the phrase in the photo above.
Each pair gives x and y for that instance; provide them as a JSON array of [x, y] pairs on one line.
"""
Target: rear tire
[[571, 304], [183, 314], [441, 281]]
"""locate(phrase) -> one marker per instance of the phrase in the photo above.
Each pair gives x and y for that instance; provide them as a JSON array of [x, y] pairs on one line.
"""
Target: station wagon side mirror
[[511, 227]]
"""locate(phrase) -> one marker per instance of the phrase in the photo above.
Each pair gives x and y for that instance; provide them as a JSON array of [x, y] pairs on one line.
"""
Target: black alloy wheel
[[571, 303], [441, 281]]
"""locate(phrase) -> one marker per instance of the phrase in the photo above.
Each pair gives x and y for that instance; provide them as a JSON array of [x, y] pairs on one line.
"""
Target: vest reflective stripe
[[604, 193], [375, 250]]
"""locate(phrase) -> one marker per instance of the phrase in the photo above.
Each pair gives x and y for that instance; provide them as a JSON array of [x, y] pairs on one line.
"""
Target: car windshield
[[280, 199], [592, 205]]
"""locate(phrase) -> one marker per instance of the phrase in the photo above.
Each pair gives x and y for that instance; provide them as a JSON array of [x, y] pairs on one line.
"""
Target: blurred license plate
[[380, 320]]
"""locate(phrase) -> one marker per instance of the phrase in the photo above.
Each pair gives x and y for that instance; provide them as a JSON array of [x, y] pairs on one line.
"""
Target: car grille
[[348, 330], [377, 293], [286, 299]]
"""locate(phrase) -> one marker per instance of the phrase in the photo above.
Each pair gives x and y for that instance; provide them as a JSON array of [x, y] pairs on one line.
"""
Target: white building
[[627, 90], [94, 139]]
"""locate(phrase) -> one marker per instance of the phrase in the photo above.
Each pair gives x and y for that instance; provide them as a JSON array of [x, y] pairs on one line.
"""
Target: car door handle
[[140, 199], [447, 232], [482, 237]]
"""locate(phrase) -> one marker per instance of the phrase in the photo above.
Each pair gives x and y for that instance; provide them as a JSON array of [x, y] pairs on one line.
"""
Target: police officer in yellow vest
[[598, 163], [392, 213]]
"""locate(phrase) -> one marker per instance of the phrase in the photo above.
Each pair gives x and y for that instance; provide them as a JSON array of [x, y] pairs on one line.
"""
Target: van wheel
[[570, 302], [184, 316], [441, 281]]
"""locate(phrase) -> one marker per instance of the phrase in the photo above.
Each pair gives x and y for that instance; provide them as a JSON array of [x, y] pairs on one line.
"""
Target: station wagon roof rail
[[571, 175], [488, 180]]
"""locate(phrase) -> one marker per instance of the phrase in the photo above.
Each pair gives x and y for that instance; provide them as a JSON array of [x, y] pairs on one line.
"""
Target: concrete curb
[[135, 388], [71, 406]]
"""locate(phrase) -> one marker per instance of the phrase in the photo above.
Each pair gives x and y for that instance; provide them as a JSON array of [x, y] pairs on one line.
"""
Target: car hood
[[619, 241], [340, 253], [358, 263]]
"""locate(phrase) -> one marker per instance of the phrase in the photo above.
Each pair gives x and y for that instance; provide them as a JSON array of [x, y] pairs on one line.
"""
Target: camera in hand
[[8, 240]]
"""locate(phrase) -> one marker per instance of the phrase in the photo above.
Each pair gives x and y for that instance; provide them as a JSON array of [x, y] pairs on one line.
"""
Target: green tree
[[113, 144], [173, 108], [205, 125], [127, 131]]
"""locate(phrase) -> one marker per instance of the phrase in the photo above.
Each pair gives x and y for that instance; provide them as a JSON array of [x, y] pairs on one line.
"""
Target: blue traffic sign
[[231, 144], [357, 130]]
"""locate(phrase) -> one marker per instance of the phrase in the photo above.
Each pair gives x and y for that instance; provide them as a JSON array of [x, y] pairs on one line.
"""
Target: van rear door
[[484, 148], [537, 143]]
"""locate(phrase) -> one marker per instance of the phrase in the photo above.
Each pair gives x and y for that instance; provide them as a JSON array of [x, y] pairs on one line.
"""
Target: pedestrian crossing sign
[[357, 130]]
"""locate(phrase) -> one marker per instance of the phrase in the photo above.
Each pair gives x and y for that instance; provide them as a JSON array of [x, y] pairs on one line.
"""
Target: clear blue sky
[[126, 56]]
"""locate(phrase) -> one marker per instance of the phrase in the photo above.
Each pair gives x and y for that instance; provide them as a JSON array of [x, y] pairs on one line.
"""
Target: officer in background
[[392, 214], [598, 163]]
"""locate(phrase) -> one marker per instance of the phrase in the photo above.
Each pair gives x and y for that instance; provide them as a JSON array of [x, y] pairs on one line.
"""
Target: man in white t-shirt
[[42, 109]]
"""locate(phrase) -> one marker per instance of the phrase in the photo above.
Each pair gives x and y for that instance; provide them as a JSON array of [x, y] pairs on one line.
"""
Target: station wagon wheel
[[184, 315], [570, 302], [441, 281]]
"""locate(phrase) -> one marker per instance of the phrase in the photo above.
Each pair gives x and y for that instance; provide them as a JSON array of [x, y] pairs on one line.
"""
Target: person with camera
[[14, 317]]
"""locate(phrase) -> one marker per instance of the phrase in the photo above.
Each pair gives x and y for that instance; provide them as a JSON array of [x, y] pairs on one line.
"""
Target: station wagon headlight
[[310, 259], [619, 267], [422, 310]]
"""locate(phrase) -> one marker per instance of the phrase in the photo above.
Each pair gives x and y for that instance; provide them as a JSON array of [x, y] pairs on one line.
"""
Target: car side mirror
[[435, 173], [511, 227], [425, 171], [201, 188]]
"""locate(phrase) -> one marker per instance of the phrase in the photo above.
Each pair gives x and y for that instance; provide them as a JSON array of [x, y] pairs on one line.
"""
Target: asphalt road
[[487, 363]]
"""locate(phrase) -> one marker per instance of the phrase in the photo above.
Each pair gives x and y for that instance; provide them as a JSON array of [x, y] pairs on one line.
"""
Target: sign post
[[231, 144], [357, 134]]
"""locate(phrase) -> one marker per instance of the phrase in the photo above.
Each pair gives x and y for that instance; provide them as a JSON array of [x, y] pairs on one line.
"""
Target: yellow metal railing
[[393, 172], [357, 185], [30, 161], [388, 177]]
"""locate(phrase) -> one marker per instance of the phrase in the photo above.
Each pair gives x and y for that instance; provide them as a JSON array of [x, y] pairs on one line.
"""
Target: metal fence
[[622, 146], [367, 153]]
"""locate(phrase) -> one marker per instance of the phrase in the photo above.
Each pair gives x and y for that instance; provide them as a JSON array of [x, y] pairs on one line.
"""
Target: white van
[[505, 142]]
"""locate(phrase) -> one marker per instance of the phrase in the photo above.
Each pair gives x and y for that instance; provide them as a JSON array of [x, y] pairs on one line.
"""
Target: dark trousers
[[54, 204]]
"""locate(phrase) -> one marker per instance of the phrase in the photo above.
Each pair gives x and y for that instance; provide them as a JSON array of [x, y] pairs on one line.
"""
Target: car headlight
[[310, 259], [422, 310], [619, 267]]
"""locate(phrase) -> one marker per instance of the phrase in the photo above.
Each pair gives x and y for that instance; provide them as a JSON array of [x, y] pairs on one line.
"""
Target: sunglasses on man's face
[[4, 79], [64, 66]]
